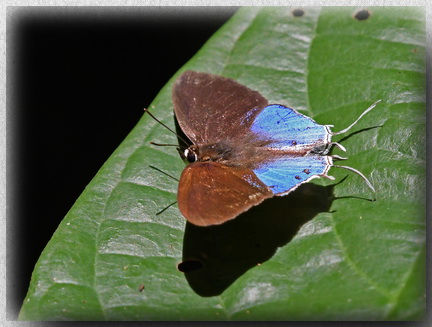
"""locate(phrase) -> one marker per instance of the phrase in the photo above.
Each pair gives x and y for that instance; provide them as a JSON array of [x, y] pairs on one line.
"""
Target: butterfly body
[[244, 150]]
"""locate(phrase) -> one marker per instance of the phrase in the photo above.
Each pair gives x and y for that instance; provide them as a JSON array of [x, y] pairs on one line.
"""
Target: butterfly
[[244, 150]]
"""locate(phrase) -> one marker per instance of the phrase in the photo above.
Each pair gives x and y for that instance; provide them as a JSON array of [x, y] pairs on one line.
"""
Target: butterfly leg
[[332, 178], [368, 183], [335, 156], [355, 122], [328, 147], [340, 146]]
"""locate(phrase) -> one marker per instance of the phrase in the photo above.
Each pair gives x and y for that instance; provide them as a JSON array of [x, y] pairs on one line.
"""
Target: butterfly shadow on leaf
[[241, 145], [215, 256]]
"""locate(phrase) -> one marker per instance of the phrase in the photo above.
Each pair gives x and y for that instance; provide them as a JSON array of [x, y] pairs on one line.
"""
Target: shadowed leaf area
[[323, 252]]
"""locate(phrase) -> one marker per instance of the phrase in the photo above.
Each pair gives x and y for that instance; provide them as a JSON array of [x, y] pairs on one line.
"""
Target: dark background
[[78, 79]]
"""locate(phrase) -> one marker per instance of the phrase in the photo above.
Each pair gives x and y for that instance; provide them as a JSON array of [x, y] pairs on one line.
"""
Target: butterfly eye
[[190, 155]]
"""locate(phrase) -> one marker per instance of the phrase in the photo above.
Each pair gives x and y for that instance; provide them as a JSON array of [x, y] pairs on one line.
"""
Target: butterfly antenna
[[164, 144], [364, 113], [151, 115], [358, 173]]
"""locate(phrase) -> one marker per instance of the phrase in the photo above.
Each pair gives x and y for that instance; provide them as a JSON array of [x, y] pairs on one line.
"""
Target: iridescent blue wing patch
[[287, 127], [286, 173]]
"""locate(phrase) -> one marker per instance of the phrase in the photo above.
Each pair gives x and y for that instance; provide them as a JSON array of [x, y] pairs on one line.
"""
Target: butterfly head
[[216, 152], [190, 154]]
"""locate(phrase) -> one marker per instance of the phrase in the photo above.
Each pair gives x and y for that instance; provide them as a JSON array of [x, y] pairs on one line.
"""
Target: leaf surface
[[323, 252]]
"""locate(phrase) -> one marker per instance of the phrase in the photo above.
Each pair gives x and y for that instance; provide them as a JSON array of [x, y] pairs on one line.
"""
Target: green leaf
[[324, 252]]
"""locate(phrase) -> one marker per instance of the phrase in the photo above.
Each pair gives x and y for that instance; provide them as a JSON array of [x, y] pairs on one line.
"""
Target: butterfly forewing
[[212, 108], [287, 127]]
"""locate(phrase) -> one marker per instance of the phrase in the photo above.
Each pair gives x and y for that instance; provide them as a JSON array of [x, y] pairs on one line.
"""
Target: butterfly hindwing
[[210, 193], [286, 173]]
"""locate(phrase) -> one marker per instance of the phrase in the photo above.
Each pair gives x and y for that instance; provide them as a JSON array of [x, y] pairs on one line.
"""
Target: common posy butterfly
[[243, 149]]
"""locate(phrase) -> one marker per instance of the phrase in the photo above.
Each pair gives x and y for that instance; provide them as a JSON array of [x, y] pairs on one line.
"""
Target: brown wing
[[211, 108], [210, 193]]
